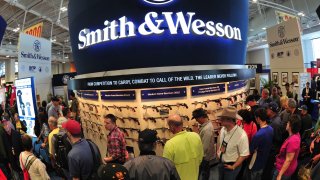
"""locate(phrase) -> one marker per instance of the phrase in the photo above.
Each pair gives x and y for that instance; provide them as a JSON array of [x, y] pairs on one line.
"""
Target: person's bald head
[[175, 123], [175, 120], [52, 122]]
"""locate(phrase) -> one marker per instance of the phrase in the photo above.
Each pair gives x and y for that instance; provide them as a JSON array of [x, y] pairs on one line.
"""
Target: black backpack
[[96, 156], [62, 147]]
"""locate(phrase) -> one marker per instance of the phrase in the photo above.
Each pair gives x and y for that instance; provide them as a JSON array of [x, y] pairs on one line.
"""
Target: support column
[[10, 70]]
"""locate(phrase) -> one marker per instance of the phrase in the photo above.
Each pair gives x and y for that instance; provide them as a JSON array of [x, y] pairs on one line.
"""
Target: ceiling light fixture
[[7, 56], [255, 1], [63, 9], [16, 29], [63, 62], [301, 14], [264, 28]]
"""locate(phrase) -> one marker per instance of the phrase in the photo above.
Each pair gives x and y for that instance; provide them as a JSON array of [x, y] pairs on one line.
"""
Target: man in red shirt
[[116, 143]]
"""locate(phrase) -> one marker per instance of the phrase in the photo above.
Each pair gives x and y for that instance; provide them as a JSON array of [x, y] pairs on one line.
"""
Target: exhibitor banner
[[26, 102], [34, 58], [286, 55], [35, 61]]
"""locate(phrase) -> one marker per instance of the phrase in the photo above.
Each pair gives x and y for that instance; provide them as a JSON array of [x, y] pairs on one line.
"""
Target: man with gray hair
[[53, 126], [60, 149], [292, 109], [185, 149], [265, 99]]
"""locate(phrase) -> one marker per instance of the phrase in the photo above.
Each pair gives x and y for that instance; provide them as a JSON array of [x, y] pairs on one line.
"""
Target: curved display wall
[[122, 34]]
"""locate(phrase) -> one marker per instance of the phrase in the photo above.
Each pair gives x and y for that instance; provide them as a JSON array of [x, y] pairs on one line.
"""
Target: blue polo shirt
[[80, 160], [262, 142]]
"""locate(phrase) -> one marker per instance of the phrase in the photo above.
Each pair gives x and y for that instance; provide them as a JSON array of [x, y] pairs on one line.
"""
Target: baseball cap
[[229, 112], [303, 107], [200, 112], [61, 120], [250, 98], [273, 106], [113, 171], [148, 136], [72, 126]]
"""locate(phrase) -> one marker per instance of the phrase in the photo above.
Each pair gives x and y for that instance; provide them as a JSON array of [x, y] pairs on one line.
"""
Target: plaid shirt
[[117, 145]]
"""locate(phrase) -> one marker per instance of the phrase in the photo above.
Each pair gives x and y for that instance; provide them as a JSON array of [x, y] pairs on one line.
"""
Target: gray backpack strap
[[30, 163]]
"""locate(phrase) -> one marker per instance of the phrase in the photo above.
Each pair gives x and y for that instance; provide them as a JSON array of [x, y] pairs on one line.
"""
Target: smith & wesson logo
[[37, 45], [282, 31]]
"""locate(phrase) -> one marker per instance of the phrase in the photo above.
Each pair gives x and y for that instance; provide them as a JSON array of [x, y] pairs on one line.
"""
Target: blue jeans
[[204, 171], [226, 174], [256, 175], [275, 174]]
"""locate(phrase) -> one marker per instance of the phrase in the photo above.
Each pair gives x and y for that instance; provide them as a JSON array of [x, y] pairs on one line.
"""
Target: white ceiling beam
[[17, 4]]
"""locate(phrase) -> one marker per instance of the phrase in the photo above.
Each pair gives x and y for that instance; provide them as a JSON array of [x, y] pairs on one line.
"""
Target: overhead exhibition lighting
[[301, 14], [53, 39], [7, 56], [255, 1], [63, 9], [264, 28], [16, 29]]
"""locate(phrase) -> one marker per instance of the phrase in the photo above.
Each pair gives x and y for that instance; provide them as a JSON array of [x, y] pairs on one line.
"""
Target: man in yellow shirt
[[53, 125], [185, 149]]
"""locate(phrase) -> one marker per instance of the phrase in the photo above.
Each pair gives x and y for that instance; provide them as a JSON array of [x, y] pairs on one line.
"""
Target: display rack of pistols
[[129, 123]]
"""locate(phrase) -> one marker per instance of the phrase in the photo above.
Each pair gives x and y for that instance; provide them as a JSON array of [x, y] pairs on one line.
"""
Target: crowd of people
[[271, 139]]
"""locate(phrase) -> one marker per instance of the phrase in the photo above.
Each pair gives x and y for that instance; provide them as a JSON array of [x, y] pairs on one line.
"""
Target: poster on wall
[[304, 78], [34, 58], [264, 79], [275, 78], [26, 102], [295, 78], [284, 78], [285, 50]]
